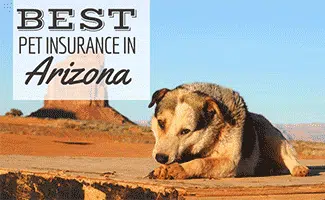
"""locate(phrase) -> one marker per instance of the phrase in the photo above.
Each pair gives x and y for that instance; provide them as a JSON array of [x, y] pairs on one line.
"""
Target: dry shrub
[[14, 113]]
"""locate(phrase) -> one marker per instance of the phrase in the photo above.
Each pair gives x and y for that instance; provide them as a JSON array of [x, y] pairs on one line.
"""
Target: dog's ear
[[157, 96], [212, 108]]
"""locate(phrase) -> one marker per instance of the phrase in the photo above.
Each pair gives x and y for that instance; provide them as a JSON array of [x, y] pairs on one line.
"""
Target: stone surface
[[125, 178]]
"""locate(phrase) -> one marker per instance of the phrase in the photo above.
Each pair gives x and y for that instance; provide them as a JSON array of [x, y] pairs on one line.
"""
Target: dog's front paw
[[173, 171], [300, 170]]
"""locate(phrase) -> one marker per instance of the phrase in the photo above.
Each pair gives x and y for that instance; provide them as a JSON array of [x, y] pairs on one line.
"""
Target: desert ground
[[95, 159], [62, 137]]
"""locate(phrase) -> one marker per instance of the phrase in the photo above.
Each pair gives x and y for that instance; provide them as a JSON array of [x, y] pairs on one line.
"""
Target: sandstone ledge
[[125, 179]]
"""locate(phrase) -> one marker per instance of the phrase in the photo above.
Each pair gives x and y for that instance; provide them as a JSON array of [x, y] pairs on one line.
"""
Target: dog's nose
[[161, 158]]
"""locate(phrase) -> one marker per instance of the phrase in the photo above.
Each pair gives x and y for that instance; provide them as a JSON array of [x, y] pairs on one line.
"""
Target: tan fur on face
[[184, 116]]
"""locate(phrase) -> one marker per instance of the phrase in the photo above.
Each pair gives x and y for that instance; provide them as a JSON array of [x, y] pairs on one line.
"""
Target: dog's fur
[[205, 130]]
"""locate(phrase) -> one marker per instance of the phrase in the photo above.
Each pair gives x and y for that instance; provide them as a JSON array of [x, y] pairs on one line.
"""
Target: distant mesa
[[307, 132], [90, 109], [82, 110]]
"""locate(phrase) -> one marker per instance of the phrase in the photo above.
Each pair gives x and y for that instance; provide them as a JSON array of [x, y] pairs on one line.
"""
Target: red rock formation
[[91, 109], [88, 110]]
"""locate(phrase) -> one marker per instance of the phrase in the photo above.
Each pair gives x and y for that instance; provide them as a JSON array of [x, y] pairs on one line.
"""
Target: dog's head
[[185, 123]]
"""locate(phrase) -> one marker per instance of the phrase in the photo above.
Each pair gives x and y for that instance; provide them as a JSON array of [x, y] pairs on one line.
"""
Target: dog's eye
[[185, 131], [161, 124]]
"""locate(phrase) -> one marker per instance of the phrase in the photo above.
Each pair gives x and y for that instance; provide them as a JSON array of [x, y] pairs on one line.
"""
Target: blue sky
[[272, 53]]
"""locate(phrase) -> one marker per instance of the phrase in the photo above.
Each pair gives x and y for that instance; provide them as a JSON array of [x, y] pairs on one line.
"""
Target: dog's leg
[[203, 168], [210, 168], [290, 160], [275, 146]]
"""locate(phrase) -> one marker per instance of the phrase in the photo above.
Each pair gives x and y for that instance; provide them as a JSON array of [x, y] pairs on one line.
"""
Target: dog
[[204, 130]]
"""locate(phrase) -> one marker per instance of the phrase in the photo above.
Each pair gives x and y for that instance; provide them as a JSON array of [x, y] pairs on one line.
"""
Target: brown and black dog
[[205, 130]]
